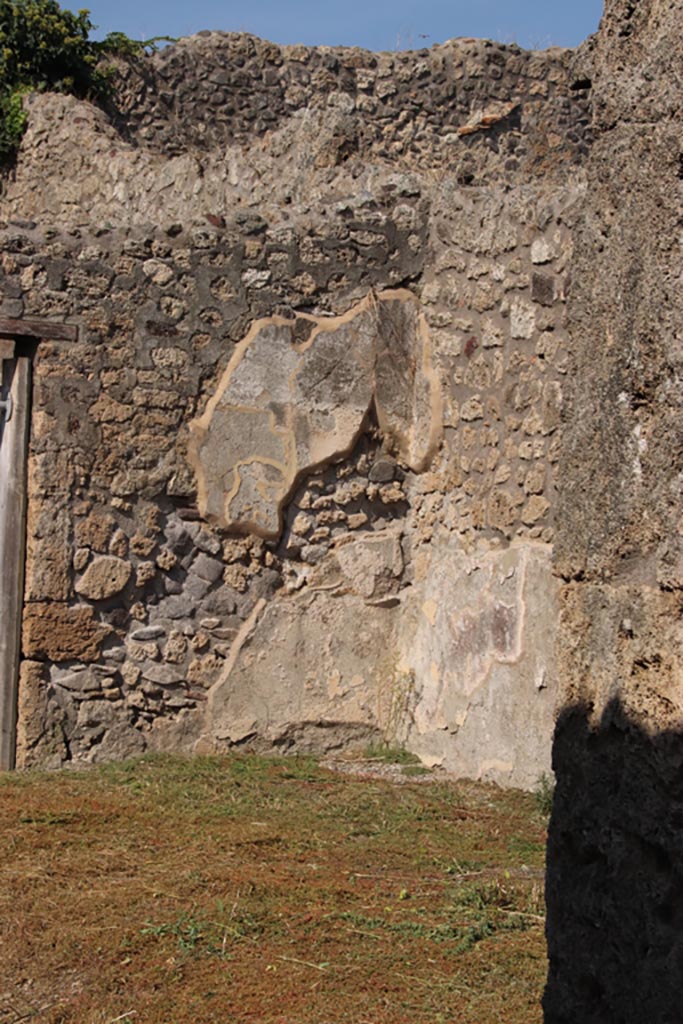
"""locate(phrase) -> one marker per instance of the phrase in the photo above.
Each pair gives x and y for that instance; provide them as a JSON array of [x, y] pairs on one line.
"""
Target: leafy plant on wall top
[[45, 48]]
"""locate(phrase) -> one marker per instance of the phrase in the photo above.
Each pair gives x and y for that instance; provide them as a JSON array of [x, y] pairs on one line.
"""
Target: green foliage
[[46, 47], [544, 794], [12, 122], [197, 935], [118, 43], [477, 911], [43, 47]]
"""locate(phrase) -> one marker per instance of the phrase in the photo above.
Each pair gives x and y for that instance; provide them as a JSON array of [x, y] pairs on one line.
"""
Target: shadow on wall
[[615, 873]]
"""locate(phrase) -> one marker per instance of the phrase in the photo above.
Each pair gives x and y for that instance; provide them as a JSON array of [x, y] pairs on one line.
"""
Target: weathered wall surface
[[614, 887], [221, 120], [295, 483]]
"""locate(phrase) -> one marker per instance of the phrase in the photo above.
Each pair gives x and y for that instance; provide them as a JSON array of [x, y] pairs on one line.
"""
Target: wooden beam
[[46, 330], [16, 380]]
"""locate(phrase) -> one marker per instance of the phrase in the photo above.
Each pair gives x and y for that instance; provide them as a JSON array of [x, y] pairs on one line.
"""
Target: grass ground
[[247, 889]]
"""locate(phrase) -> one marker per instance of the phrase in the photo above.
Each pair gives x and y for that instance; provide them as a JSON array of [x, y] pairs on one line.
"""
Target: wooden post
[[18, 341], [16, 381]]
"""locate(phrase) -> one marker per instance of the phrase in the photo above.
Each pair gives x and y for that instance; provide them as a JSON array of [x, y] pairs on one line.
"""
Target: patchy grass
[[390, 755], [545, 794], [249, 889], [383, 754]]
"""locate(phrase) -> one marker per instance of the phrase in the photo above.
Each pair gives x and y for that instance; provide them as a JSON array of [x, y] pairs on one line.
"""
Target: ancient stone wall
[[294, 484], [372, 430], [614, 888]]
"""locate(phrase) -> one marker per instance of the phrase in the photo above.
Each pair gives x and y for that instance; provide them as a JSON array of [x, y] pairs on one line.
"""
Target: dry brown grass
[[245, 889]]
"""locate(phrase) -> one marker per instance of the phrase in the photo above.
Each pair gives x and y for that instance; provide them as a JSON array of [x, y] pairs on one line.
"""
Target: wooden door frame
[[19, 340]]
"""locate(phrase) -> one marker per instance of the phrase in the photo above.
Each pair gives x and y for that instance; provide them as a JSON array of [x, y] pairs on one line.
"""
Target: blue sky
[[377, 25]]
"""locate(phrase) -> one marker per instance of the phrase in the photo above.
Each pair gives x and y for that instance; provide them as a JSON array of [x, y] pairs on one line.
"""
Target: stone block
[[104, 577], [56, 632]]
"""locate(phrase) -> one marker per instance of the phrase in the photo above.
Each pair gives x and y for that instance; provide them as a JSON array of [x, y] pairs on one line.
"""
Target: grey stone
[[175, 607], [207, 542], [106, 670], [543, 289], [84, 680], [313, 553], [179, 702], [195, 587], [222, 601], [382, 470], [148, 633], [172, 585], [224, 633], [209, 569], [266, 583], [163, 674], [117, 654], [178, 538]]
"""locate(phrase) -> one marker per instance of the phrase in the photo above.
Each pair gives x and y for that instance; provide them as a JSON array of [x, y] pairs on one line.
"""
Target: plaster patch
[[284, 408]]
